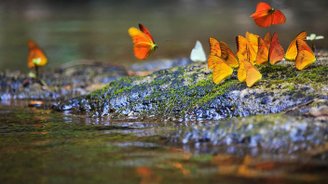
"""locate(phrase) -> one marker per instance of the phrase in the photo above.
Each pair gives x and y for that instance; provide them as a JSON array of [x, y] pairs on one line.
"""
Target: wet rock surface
[[74, 79], [188, 94]]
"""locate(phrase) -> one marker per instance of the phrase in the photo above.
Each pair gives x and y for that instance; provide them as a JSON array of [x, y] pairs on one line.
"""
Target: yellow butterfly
[[305, 55], [221, 60], [291, 52], [246, 71]]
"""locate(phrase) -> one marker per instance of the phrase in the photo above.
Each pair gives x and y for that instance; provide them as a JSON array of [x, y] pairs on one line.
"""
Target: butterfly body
[[143, 42]]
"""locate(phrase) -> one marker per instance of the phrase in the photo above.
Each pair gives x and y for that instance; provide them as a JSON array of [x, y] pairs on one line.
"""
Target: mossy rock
[[188, 93]]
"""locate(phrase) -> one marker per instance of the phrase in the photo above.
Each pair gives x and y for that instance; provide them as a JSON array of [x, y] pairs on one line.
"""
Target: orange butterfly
[[36, 56], [305, 55], [270, 51], [292, 48], [246, 71], [143, 42], [276, 51], [221, 60], [251, 42], [265, 15]]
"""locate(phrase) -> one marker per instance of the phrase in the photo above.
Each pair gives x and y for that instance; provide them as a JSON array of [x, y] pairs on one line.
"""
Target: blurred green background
[[97, 29]]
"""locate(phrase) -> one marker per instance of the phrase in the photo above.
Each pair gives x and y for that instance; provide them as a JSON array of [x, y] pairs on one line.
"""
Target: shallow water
[[97, 29], [41, 146]]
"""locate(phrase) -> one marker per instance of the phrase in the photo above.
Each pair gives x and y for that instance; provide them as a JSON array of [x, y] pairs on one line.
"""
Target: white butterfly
[[197, 53], [314, 37]]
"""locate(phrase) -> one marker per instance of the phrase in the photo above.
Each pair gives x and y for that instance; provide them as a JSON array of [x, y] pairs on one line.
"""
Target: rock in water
[[188, 93]]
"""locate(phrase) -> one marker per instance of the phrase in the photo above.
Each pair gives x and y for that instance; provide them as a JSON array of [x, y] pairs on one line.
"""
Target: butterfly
[[291, 52], [276, 51], [265, 15], [305, 55], [36, 56], [251, 42], [143, 42], [197, 53], [246, 71], [221, 60], [253, 45], [313, 37]]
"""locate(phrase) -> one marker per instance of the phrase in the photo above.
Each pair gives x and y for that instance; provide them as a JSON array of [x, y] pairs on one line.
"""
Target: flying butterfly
[[246, 71], [305, 55], [221, 59], [36, 56], [197, 53], [143, 42], [291, 52], [265, 15]]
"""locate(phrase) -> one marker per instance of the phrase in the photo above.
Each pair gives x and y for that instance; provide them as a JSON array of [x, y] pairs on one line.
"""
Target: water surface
[[97, 30]]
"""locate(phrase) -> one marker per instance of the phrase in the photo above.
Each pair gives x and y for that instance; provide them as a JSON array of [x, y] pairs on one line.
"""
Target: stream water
[[42, 146], [97, 29]]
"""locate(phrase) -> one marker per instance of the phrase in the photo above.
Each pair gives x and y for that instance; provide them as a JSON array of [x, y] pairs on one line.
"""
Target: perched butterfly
[[291, 52], [221, 60], [143, 42], [36, 56], [246, 71], [263, 52], [251, 42], [305, 55], [253, 45], [276, 51], [197, 53], [265, 15]]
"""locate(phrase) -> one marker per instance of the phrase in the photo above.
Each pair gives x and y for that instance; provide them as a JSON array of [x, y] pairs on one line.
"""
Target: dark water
[[97, 30], [41, 146]]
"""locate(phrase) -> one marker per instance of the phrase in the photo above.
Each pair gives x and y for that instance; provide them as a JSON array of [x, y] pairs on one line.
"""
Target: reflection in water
[[38, 146], [98, 29]]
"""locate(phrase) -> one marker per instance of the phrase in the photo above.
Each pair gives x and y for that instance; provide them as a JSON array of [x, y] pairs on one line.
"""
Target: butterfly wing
[[305, 55], [146, 31], [278, 17], [263, 52], [253, 45], [291, 52], [262, 9], [142, 43], [215, 50], [262, 16], [252, 74], [36, 56], [228, 56], [267, 39], [197, 53], [221, 70], [265, 15], [276, 51]]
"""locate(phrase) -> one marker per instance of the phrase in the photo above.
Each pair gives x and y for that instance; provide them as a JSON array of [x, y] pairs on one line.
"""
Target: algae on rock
[[188, 93]]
